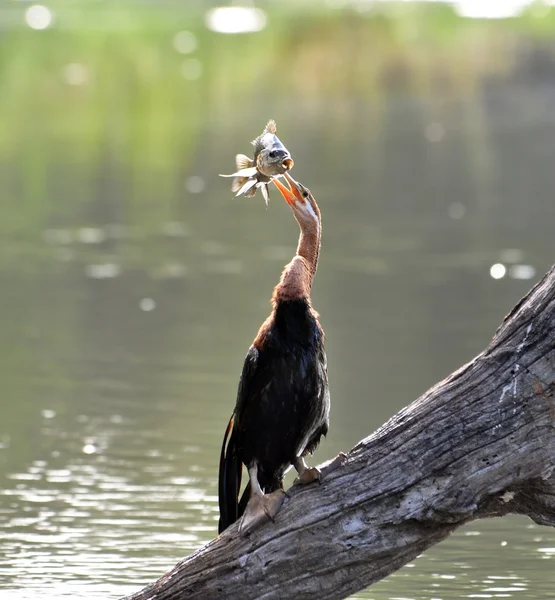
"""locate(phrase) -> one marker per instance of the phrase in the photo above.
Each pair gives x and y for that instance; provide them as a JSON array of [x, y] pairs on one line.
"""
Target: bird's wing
[[229, 478], [313, 398], [244, 390]]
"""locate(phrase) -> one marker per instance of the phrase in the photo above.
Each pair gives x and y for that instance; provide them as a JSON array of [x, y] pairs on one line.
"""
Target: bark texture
[[479, 444]]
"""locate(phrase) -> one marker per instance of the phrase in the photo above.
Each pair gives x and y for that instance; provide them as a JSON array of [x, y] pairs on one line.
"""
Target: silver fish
[[271, 159]]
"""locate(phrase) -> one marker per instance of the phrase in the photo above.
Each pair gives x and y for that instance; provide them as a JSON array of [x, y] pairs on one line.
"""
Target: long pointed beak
[[291, 194]]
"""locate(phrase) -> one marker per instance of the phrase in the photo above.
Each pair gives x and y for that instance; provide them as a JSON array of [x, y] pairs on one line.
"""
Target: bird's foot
[[333, 464], [260, 508], [308, 475]]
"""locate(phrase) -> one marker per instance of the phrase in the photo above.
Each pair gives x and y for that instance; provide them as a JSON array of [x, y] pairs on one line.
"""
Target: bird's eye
[[272, 154]]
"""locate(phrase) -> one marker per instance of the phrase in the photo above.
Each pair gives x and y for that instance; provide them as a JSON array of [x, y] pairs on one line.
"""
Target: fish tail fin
[[229, 479], [245, 171], [242, 161]]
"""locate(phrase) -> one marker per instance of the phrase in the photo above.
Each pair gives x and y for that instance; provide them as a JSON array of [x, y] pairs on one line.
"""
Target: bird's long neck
[[296, 279], [310, 242]]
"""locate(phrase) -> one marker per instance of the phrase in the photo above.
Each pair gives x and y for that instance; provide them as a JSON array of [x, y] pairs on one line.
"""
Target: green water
[[132, 283]]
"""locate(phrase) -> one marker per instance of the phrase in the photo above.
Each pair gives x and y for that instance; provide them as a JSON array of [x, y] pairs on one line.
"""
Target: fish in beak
[[271, 159]]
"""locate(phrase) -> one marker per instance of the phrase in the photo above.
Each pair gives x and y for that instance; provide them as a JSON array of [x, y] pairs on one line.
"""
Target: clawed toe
[[333, 464]]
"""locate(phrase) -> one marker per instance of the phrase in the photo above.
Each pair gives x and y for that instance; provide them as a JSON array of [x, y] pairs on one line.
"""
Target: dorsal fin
[[257, 142], [270, 127]]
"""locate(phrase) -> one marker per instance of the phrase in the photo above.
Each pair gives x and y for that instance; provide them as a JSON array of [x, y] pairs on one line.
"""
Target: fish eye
[[272, 154], [305, 193]]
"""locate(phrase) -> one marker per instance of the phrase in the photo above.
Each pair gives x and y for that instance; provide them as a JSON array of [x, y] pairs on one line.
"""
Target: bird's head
[[300, 200]]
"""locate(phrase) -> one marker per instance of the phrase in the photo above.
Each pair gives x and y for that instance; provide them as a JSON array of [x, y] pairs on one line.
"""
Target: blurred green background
[[132, 282]]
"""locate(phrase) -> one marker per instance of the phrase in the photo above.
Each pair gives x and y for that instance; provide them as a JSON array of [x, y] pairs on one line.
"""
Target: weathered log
[[479, 444]]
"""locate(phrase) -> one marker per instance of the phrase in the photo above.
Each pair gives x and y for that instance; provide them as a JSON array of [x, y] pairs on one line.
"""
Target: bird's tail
[[229, 480]]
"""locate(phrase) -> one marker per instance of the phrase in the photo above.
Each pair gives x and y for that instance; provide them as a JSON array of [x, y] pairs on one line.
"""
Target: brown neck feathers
[[296, 278]]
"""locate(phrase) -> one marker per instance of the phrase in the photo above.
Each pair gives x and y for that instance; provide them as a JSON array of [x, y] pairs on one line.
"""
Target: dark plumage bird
[[283, 401]]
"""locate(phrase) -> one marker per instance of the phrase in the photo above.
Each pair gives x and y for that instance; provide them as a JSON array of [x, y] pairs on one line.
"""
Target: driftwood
[[479, 444]]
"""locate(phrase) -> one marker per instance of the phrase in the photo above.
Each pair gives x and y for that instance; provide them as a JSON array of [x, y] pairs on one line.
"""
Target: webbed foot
[[308, 475], [261, 508]]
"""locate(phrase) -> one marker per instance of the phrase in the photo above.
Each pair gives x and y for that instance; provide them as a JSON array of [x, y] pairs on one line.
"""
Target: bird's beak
[[291, 194]]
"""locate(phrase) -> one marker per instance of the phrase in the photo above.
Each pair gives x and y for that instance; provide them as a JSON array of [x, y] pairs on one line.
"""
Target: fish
[[271, 159]]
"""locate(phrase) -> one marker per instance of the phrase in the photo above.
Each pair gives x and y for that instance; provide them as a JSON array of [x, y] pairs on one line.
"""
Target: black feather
[[229, 481]]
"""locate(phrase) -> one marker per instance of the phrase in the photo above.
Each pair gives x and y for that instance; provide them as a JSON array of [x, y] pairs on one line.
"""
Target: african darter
[[283, 400]]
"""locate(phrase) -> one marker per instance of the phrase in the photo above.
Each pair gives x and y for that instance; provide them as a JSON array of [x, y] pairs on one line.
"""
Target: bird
[[283, 399]]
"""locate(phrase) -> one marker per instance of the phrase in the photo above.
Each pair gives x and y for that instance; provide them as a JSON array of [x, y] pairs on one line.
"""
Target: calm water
[[133, 284]]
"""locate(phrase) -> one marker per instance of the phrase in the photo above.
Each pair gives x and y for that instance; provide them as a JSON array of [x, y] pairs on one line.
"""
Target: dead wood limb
[[479, 444]]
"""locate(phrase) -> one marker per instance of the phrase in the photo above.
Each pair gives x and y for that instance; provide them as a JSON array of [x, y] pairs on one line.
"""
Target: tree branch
[[479, 444]]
